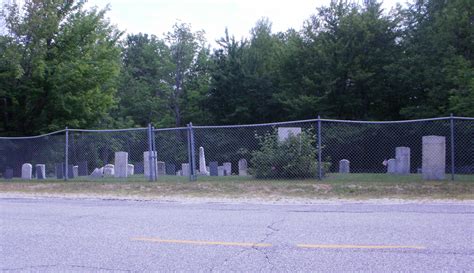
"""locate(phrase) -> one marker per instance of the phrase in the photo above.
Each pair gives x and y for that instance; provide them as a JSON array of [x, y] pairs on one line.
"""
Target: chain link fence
[[310, 149]]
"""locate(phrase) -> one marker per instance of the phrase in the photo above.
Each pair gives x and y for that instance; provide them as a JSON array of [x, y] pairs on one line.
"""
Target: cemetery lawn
[[347, 186]]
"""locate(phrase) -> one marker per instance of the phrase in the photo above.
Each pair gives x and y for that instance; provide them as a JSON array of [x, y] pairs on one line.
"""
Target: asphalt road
[[61, 235]]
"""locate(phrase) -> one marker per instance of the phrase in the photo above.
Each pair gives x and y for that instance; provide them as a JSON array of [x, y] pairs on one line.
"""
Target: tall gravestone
[[434, 158], [26, 171], [402, 158], [213, 168], [344, 166], [285, 132], [243, 167], [40, 171], [83, 168], [170, 169], [8, 173], [161, 168], [185, 169], [391, 165], [146, 162], [121, 164], [202, 162], [227, 168]]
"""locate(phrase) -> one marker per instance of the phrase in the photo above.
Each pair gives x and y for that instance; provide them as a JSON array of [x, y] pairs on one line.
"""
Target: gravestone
[[121, 165], [59, 169], [285, 132], [161, 168], [213, 168], [75, 171], [344, 166], [17, 170], [139, 168], [434, 158], [391, 165], [179, 173], [185, 169], [202, 162], [221, 171], [227, 167], [97, 173], [109, 170], [170, 169], [70, 171], [83, 168], [8, 173], [146, 162], [243, 167], [402, 158], [40, 171], [130, 169], [26, 171]]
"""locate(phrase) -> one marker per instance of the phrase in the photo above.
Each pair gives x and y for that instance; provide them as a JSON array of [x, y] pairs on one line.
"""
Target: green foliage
[[295, 157], [62, 66]]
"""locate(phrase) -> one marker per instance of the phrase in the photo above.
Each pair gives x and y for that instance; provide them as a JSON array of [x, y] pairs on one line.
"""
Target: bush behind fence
[[309, 149]]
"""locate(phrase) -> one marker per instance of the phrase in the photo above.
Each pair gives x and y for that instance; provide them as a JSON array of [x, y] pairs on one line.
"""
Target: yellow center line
[[361, 246], [157, 240]]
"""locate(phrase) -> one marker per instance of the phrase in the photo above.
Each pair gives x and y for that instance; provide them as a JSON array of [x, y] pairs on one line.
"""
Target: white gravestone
[[109, 170], [202, 162], [285, 132], [121, 164], [130, 169], [26, 170], [220, 171], [344, 166], [75, 171], [402, 158], [227, 167], [391, 165], [434, 158], [243, 167], [40, 171], [160, 168], [185, 169], [97, 173], [146, 163]]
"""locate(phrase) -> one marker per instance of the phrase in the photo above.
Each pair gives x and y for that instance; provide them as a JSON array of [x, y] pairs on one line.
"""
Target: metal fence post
[[452, 146], [154, 154], [150, 154], [189, 150], [320, 173], [193, 157], [66, 155]]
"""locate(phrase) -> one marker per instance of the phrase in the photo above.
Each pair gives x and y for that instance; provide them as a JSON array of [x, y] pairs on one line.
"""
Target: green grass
[[333, 186]]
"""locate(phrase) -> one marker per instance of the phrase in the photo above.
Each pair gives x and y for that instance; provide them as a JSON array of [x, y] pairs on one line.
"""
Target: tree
[[62, 66], [438, 60], [244, 74], [342, 65]]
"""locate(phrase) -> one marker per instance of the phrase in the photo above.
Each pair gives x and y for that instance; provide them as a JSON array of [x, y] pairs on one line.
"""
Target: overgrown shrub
[[295, 157]]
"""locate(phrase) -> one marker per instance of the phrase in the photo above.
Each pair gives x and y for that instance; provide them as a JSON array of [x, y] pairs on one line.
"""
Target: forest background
[[62, 64]]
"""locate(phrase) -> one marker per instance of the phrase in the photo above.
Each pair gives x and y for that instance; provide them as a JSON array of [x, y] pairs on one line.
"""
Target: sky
[[212, 16]]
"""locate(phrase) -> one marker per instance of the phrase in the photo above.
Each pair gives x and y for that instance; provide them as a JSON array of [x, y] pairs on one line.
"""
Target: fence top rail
[[107, 130], [33, 137], [239, 126], [169, 129]]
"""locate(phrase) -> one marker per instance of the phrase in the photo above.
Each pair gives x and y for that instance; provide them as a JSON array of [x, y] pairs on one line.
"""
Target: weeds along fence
[[307, 149]]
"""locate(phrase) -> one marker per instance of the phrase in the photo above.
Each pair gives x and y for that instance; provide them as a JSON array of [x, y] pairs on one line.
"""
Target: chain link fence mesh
[[286, 150]]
